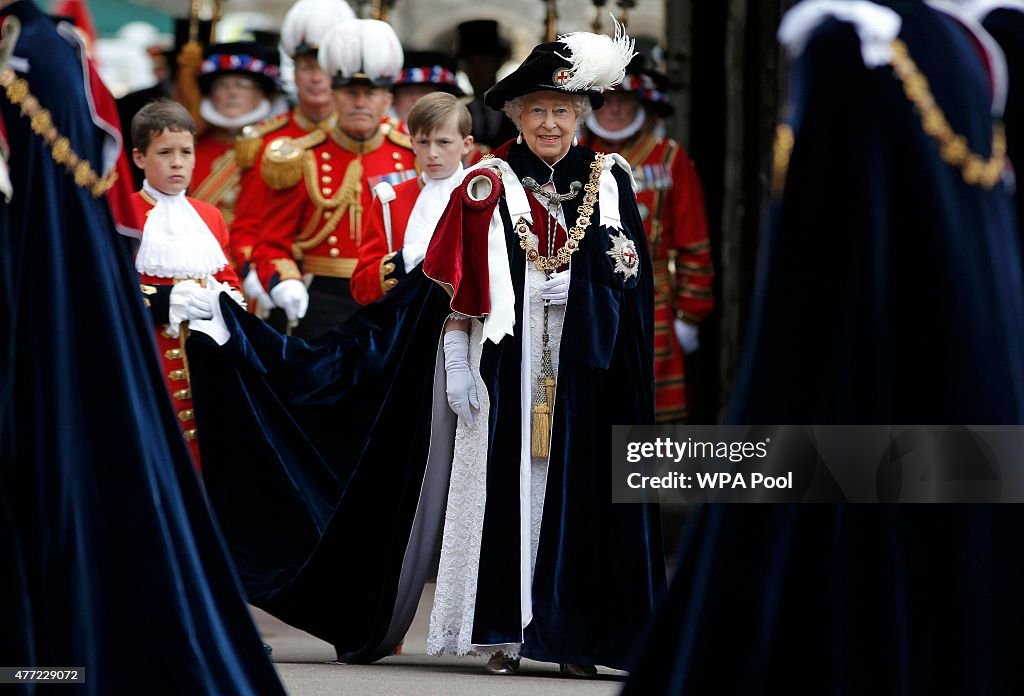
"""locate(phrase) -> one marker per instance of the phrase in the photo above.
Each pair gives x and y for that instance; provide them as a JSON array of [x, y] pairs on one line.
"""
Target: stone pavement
[[301, 662]]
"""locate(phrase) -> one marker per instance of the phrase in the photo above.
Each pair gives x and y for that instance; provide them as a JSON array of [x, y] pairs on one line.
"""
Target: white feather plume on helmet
[[308, 21], [361, 50]]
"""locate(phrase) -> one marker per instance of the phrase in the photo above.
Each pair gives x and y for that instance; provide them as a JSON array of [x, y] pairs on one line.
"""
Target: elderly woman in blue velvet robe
[[549, 345]]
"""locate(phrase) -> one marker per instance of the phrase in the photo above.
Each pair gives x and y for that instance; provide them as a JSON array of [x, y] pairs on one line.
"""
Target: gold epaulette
[[282, 160], [249, 142], [396, 136]]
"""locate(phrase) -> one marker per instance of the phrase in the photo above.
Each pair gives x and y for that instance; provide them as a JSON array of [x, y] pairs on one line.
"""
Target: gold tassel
[[187, 83], [549, 389], [247, 148], [540, 435]]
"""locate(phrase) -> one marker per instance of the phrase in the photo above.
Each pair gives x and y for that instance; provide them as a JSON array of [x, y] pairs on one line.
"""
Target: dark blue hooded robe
[[110, 559], [889, 291]]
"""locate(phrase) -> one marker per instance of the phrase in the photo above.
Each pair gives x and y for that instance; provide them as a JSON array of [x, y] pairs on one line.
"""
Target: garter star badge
[[627, 260]]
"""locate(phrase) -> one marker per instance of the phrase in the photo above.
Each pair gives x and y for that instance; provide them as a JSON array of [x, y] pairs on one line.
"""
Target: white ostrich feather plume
[[309, 20], [598, 62], [361, 45]]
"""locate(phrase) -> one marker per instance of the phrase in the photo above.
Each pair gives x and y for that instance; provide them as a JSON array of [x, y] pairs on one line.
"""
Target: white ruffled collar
[[176, 242]]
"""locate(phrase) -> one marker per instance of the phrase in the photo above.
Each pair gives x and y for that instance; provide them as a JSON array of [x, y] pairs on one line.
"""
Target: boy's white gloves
[[292, 296], [188, 300], [460, 385]]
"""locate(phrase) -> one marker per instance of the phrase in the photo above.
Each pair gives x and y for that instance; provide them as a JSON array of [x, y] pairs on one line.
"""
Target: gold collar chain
[[60, 147], [975, 169], [576, 234]]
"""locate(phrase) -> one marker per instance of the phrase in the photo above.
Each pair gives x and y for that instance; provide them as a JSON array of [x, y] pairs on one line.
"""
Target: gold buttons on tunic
[[334, 253], [332, 239], [326, 167], [190, 434], [173, 354], [328, 191], [176, 375], [183, 394], [327, 156], [396, 156], [325, 179], [186, 415], [399, 166]]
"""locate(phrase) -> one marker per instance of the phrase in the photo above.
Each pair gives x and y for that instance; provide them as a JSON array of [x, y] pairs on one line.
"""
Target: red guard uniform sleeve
[[374, 247]]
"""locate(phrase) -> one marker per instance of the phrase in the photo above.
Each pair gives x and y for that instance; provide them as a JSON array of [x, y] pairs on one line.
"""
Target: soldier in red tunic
[[237, 81], [182, 261], [402, 219], [671, 203], [305, 24], [316, 188]]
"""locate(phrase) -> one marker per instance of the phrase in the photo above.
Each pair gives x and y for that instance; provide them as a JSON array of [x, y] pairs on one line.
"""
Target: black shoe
[[269, 650], [500, 663], [581, 671]]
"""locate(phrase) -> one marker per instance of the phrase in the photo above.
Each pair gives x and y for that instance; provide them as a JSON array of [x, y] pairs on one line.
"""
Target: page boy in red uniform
[[403, 217], [182, 261]]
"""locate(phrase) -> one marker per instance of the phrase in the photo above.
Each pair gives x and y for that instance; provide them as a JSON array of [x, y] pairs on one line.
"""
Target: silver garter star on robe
[[627, 261]]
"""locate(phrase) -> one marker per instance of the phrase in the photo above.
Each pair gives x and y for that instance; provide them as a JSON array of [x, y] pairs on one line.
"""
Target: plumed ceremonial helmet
[[308, 21], [361, 51]]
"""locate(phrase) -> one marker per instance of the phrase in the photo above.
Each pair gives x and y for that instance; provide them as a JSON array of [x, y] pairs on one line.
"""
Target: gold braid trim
[[347, 199], [60, 147], [975, 169]]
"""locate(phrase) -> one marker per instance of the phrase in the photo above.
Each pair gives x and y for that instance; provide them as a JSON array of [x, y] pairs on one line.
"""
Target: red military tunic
[[671, 202], [370, 280], [216, 178], [250, 210], [172, 350], [317, 220]]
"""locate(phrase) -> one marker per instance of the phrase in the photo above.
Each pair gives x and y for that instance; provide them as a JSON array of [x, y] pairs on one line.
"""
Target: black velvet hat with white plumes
[[578, 63]]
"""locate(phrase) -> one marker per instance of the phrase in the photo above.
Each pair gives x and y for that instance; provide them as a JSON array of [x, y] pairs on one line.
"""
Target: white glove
[[556, 288], [688, 335], [460, 387], [292, 296], [254, 291], [188, 300]]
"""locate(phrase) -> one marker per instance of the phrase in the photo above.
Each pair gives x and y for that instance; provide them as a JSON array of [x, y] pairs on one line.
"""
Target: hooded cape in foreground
[[889, 293], [110, 559]]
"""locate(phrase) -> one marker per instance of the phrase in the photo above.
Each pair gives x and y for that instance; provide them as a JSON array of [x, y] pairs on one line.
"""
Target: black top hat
[[246, 58], [480, 37], [544, 69], [430, 68]]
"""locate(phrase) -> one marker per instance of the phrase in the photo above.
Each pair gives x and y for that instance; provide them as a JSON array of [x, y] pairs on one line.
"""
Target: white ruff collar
[[215, 118], [176, 243], [614, 136], [432, 201]]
